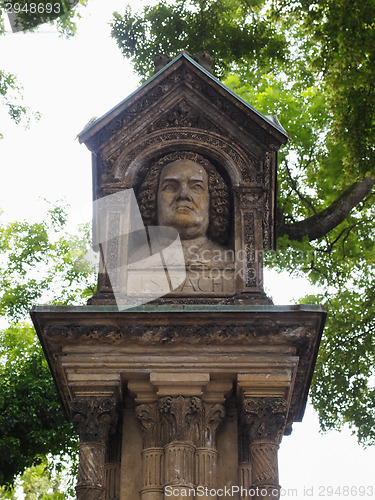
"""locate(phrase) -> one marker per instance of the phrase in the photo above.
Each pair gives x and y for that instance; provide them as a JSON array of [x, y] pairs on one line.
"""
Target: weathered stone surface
[[185, 119], [274, 346], [93, 419]]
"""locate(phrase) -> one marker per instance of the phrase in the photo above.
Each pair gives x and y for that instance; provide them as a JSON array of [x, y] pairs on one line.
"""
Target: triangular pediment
[[181, 78]]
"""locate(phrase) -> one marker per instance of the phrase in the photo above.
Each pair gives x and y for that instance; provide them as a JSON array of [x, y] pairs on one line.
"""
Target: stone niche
[[184, 113], [193, 389]]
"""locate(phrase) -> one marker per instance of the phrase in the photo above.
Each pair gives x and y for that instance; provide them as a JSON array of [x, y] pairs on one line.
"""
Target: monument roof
[[269, 122]]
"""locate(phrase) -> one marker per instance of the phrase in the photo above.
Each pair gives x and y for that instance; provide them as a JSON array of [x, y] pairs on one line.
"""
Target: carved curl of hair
[[218, 227]]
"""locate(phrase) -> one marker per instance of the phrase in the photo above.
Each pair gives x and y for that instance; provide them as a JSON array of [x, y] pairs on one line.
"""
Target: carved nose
[[184, 193]]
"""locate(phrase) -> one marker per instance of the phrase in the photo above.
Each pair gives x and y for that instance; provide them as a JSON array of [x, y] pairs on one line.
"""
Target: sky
[[71, 81]]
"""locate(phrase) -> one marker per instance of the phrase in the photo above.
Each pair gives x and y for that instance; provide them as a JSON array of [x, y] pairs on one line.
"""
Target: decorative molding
[[157, 143], [235, 334]]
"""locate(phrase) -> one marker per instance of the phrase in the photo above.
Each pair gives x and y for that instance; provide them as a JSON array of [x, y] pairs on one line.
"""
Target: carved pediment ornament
[[184, 114], [93, 418], [182, 77]]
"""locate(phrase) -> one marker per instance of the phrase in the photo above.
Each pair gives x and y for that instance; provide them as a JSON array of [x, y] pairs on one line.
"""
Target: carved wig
[[219, 216]]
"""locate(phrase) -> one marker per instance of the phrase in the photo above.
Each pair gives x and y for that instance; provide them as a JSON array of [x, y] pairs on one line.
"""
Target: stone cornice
[[276, 346]]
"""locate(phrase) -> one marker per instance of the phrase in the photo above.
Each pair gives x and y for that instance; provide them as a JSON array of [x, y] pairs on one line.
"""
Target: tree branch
[[318, 225]]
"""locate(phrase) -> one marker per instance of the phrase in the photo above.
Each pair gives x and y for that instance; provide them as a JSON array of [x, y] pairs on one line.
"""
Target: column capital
[[180, 415], [147, 414], [265, 418], [93, 417]]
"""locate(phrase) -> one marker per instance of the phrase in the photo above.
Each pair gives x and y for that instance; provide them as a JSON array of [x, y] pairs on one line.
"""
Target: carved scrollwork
[[249, 241], [93, 418], [149, 418], [265, 418], [213, 416]]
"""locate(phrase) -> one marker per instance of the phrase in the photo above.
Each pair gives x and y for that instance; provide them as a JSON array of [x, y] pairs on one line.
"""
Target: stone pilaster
[[180, 419], [206, 453], [93, 419], [244, 464], [153, 454], [179, 414], [264, 419], [113, 465]]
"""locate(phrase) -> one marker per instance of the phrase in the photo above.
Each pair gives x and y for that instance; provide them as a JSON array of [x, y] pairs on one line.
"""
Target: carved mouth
[[184, 209]]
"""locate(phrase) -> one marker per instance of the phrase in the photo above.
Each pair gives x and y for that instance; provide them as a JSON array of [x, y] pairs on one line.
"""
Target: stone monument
[[185, 390]]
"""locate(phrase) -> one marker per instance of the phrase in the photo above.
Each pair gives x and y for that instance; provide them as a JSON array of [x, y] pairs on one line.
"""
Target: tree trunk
[[318, 225]]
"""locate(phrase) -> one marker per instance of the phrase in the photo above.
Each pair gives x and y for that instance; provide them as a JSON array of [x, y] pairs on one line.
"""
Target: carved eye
[[170, 187], [197, 188]]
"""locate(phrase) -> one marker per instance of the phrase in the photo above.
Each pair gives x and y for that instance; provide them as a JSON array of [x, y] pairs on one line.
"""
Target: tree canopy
[[63, 16], [311, 62], [33, 257]]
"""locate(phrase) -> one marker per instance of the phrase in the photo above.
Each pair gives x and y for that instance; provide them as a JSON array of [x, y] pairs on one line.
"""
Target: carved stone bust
[[184, 191]]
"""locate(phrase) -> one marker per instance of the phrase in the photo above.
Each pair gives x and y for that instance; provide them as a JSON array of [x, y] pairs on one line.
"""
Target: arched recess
[[228, 158]]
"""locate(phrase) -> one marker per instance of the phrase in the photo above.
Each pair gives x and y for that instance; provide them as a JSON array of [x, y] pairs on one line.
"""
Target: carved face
[[183, 198]]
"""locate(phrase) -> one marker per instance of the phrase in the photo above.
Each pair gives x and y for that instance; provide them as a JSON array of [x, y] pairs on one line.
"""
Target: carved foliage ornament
[[148, 416], [180, 415], [265, 418], [93, 418], [181, 419]]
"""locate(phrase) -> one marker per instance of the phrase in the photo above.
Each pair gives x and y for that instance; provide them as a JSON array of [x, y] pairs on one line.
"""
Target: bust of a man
[[184, 191]]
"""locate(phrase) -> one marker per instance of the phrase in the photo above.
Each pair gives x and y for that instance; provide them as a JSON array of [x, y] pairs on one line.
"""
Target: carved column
[[180, 419], [180, 414], [264, 419], [93, 419], [206, 454], [152, 455]]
